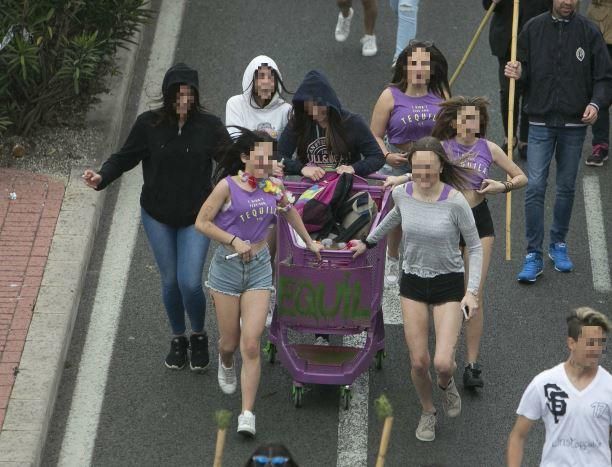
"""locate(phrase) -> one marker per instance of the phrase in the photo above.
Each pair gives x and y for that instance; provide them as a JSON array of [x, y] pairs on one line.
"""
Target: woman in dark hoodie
[[176, 145], [324, 136]]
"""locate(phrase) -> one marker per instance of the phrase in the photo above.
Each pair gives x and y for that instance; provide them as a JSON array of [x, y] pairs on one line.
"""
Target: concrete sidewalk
[[46, 237]]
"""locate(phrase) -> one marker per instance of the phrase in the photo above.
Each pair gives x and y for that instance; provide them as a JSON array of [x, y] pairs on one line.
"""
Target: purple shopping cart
[[337, 295]]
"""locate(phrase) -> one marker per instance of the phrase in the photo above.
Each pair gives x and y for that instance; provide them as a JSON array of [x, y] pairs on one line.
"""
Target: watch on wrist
[[369, 245]]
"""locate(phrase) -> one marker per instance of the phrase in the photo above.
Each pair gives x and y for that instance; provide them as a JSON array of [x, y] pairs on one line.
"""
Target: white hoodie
[[242, 109]]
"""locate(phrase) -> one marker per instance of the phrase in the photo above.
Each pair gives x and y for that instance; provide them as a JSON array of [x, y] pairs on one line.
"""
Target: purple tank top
[[411, 117], [446, 189], [477, 157], [249, 214]]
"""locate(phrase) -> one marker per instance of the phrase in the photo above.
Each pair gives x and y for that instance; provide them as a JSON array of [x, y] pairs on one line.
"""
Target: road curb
[[32, 399]]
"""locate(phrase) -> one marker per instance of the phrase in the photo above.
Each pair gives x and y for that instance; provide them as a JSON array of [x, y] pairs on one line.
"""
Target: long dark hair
[[279, 87], [335, 136], [272, 450], [449, 112], [229, 158], [452, 174], [438, 81], [166, 112]]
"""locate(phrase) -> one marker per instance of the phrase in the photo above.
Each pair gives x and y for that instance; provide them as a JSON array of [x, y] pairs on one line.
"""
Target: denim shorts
[[234, 277]]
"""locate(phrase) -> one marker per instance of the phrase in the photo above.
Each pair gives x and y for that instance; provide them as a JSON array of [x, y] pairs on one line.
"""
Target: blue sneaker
[[558, 253], [532, 268]]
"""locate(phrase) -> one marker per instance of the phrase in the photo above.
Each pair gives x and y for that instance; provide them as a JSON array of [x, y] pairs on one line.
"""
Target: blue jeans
[[406, 11], [565, 144], [601, 128], [180, 253]]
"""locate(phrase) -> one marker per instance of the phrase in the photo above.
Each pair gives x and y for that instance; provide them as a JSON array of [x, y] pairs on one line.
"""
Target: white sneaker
[[391, 271], [426, 431], [227, 377], [368, 46], [246, 423], [343, 26], [452, 400], [320, 340]]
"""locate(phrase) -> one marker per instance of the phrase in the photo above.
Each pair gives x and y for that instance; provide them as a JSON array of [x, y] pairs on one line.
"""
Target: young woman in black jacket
[[176, 145]]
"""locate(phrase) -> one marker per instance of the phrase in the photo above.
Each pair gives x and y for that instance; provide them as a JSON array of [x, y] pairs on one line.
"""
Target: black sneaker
[[472, 376], [177, 357], [199, 352], [598, 156]]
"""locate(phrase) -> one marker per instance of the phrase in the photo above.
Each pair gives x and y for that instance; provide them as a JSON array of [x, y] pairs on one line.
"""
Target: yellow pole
[[473, 43], [515, 20]]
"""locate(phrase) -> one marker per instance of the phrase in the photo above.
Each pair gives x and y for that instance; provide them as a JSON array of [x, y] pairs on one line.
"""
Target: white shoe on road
[[368, 46], [246, 423], [343, 26], [227, 377]]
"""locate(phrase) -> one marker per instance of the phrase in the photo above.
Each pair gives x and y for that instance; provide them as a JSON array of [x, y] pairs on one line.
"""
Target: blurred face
[[264, 83], [468, 121], [259, 161], [426, 168], [564, 8], [316, 111], [590, 346], [419, 66], [185, 98]]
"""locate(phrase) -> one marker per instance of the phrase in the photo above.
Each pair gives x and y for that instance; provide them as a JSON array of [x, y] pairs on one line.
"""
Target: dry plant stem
[[384, 442], [219, 447]]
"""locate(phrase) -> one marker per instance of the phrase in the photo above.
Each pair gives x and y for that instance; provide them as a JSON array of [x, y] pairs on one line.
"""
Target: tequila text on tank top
[[419, 115], [468, 160], [317, 153], [258, 210]]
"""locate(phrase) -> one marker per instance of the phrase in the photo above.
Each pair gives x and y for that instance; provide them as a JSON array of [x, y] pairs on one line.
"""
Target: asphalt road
[[153, 416]]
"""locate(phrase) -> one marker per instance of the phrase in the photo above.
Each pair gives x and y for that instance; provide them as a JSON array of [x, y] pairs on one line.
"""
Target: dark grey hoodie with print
[[364, 152]]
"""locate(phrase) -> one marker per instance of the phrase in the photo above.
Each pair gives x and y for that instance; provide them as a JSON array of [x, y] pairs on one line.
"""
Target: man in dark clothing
[[567, 76], [500, 36]]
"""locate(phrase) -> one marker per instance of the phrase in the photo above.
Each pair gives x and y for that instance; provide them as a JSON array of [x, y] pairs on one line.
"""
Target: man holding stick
[[566, 73]]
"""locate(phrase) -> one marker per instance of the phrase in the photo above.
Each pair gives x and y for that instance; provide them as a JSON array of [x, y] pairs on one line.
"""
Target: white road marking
[[597, 234], [79, 438]]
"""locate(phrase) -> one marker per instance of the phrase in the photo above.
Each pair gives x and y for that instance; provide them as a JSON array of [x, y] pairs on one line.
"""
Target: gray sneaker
[[426, 431], [452, 400]]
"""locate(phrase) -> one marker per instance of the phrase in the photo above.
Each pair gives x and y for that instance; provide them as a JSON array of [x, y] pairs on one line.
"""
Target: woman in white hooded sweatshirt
[[260, 106]]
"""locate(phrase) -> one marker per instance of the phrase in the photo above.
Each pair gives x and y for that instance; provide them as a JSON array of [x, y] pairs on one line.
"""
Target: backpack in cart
[[355, 217]]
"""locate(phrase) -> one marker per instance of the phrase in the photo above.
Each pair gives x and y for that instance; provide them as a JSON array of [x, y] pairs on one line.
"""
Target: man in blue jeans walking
[[567, 76]]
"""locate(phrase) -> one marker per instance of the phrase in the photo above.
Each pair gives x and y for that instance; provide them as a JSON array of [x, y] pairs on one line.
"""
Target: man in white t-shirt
[[573, 399]]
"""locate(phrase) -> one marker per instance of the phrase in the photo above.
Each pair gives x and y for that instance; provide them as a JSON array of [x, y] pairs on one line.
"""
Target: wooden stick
[[384, 442], [515, 19], [219, 447], [473, 43]]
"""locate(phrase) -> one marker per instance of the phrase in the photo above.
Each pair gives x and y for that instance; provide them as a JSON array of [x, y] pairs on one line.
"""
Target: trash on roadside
[[12, 195]]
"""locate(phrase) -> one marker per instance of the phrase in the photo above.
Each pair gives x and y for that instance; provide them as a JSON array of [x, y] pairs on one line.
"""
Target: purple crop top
[[249, 214], [411, 117], [477, 157]]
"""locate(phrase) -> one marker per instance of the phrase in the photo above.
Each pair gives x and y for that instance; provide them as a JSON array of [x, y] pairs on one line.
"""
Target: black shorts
[[484, 221], [434, 290]]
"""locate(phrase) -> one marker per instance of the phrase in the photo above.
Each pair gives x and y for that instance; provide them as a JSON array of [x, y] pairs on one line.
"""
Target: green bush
[[55, 52]]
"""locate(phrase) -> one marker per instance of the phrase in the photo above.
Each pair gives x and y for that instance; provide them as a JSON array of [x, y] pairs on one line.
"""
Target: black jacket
[[500, 30], [364, 153], [565, 66], [176, 166]]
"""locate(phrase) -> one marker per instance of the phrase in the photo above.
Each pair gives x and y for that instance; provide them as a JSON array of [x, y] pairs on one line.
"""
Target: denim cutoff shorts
[[233, 277]]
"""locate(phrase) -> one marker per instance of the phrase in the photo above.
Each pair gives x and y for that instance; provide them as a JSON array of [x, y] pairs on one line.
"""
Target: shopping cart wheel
[[270, 349], [297, 392], [380, 356], [345, 397]]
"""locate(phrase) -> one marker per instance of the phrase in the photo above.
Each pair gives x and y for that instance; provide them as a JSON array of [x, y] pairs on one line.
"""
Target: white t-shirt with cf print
[[577, 422]]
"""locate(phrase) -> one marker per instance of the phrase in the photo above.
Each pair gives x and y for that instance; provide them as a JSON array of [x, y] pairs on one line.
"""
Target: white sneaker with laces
[[391, 271], [368, 46], [227, 377], [343, 26], [451, 400], [246, 423], [426, 431]]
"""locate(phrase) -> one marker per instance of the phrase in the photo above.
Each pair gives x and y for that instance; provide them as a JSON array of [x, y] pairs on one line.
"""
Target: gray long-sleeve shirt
[[430, 235]]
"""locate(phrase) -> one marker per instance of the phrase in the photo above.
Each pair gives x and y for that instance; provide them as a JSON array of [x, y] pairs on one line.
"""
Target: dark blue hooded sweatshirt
[[364, 152]]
